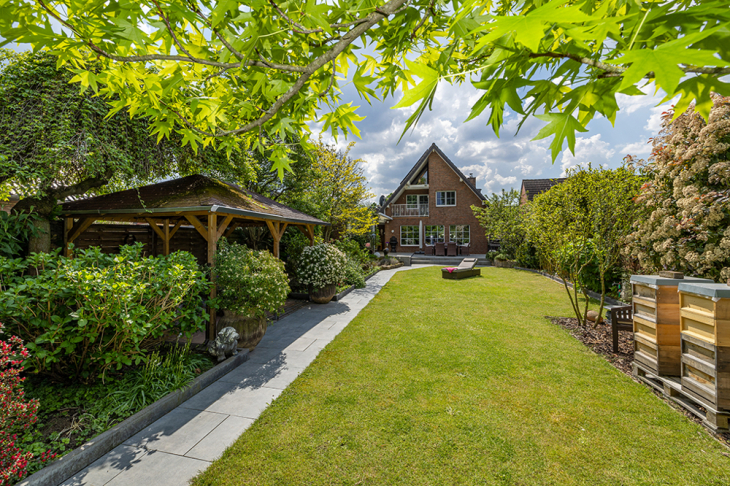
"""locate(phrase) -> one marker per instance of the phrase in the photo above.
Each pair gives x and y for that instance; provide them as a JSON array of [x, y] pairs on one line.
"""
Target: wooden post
[[274, 229], [212, 240], [166, 237], [68, 224]]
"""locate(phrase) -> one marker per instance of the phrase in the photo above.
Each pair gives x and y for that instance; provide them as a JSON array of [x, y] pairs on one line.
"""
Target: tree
[[687, 196], [221, 72], [501, 218], [581, 226], [339, 192], [60, 143]]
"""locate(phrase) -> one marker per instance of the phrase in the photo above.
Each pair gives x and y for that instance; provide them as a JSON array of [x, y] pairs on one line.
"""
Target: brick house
[[433, 204]]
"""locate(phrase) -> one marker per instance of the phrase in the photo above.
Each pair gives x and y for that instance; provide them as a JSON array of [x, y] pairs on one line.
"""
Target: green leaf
[[424, 89], [562, 125]]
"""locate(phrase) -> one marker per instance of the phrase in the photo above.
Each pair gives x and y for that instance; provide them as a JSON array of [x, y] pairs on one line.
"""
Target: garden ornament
[[226, 343]]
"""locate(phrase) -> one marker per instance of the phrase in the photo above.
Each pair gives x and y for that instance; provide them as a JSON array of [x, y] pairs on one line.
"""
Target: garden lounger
[[465, 269]]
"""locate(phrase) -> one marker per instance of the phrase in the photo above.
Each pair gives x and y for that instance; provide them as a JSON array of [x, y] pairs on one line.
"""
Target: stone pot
[[250, 330], [323, 295]]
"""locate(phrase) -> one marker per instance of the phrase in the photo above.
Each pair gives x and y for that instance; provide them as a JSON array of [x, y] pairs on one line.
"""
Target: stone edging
[[76, 460], [343, 293], [591, 294]]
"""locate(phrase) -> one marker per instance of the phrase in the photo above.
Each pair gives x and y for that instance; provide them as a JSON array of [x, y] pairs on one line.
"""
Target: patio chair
[[439, 247], [621, 319], [429, 250], [464, 249], [451, 249], [467, 268]]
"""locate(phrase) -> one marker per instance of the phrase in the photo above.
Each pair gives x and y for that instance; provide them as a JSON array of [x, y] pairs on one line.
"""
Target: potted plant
[[322, 267], [249, 284]]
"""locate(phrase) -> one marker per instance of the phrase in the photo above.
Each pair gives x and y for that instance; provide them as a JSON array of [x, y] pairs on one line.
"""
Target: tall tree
[[338, 192], [501, 218], [60, 143], [218, 71]]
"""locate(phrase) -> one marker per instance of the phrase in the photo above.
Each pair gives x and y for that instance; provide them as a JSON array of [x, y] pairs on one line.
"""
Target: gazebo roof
[[187, 194]]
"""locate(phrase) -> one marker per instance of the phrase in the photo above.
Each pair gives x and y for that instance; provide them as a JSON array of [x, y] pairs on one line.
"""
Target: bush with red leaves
[[16, 413]]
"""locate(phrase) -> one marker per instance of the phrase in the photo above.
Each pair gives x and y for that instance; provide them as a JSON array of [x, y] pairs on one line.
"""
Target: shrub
[[15, 230], [322, 265], [687, 196], [353, 251], [249, 282], [16, 413], [354, 275], [81, 316]]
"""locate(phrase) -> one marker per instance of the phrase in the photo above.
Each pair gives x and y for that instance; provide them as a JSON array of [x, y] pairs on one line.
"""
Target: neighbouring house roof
[[419, 166], [196, 192], [533, 187]]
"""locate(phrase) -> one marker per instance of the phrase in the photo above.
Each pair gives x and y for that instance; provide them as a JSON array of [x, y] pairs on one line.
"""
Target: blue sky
[[498, 163]]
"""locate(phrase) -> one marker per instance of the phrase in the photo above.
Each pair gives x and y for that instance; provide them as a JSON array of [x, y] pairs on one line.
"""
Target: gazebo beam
[[212, 243], [223, 226], [198, 226]]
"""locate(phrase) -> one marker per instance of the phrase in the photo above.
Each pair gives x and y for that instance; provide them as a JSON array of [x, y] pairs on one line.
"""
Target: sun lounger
[[467, 268]]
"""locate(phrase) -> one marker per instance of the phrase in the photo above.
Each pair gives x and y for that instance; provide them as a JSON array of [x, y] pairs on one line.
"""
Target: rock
[[592, 315]]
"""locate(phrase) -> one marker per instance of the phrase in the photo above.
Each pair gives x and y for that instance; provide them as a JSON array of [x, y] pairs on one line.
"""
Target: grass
[[464, 382]]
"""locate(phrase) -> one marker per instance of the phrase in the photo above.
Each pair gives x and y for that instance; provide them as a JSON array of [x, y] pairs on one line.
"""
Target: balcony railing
[[413, 210]]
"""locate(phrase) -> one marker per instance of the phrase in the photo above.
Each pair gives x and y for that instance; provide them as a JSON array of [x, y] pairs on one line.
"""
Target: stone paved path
[[184, 442]]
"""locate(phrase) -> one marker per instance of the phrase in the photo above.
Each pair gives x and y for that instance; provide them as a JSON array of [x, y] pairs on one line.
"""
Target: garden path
[[184, 442]]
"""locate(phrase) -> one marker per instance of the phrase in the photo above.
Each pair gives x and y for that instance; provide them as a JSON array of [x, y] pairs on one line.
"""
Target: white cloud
[[654, 122], [591, 150], [642, 147], [630, 104]]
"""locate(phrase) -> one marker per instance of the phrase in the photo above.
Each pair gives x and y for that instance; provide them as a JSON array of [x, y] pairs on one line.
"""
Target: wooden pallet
[[717, 421]]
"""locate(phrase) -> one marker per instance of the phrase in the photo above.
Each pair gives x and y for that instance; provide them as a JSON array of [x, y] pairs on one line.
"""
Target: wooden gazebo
[[212, 207]]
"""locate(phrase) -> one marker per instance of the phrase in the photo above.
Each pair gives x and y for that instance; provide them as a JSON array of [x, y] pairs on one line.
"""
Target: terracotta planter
[[250, 329], [323, 295]]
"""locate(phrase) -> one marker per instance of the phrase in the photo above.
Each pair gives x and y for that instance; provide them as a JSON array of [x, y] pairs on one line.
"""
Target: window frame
[[445, 198], [417, 239], [457, 236], [442, 239]]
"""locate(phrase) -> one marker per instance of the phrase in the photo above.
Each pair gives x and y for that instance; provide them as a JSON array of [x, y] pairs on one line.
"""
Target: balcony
[[409, 210]]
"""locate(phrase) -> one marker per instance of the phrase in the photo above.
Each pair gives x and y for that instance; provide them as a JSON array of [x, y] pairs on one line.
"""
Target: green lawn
[[464, 382]]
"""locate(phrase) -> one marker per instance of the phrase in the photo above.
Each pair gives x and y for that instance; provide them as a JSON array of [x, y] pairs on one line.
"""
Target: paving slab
[[121, 458], [222, 437], [160, 469], [177, 432]]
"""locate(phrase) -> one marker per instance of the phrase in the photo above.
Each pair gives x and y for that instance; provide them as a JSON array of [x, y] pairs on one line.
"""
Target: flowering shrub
[[81, 316], [354, 275], [322, 265], [688, 196], [249, 282], [16, 414]]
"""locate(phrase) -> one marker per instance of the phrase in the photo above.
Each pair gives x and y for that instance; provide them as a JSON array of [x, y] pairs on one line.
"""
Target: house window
[[415, 200], [459, 233], [446, 198], [409, 236], [433, 234]]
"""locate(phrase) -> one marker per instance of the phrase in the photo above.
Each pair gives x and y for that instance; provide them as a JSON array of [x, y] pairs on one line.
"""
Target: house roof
[[191, 193], [533, 187], [420, 164]]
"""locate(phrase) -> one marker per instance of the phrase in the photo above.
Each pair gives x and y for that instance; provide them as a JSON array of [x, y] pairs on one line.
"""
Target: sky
[[497, 163]]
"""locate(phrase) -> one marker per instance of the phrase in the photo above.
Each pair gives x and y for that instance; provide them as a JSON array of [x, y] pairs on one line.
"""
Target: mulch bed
[[599, 340]]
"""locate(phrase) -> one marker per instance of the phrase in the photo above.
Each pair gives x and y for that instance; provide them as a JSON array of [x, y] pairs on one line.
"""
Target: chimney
[[472, 180]]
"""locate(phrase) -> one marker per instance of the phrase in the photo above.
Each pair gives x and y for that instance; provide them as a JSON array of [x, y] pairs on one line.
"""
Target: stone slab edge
[[343, 293], [372, 275], [76, 460], [591, 294]]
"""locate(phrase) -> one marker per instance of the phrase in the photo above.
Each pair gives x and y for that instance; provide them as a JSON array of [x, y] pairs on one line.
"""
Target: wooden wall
[[111, 236]]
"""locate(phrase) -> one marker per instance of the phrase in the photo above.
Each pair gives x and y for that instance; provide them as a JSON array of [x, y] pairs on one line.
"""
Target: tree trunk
[[41, 242]]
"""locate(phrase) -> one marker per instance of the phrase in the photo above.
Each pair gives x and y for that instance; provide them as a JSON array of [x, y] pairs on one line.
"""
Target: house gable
[[410, 181]]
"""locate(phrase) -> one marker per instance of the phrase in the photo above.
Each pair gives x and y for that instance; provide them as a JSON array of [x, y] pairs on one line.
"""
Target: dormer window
[[445, 198], [423, 178]]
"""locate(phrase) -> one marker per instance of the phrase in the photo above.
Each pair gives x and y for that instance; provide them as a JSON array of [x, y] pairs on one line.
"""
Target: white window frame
[[458, 236], [445, 199], [442, 232], [417, 233]]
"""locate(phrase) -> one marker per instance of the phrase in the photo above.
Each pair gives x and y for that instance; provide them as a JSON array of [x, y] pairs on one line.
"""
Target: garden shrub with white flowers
[[322, 265], [249, 282]]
